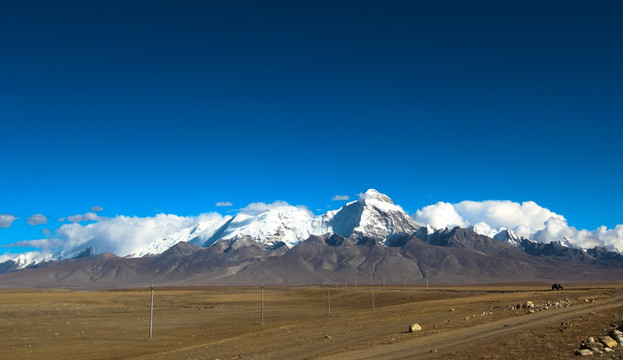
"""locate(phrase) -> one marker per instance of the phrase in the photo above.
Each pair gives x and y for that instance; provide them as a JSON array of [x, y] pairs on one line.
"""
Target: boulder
[[583, 352], [617, 335], [595, 347], [608, 341], [415, 327], [529, 305]]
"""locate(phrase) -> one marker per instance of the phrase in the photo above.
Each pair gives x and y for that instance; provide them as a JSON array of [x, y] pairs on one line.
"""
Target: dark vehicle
[[557, 286]]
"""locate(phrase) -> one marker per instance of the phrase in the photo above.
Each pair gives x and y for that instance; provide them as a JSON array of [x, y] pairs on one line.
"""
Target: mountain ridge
[[282, 242]]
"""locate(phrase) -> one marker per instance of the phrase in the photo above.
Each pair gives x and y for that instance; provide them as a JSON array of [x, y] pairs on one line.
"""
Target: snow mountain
[[195, 234], [374, 215], [509, 237]]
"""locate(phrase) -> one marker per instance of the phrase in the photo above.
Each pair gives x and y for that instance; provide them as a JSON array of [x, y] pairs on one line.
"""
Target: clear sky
[[142, 107]]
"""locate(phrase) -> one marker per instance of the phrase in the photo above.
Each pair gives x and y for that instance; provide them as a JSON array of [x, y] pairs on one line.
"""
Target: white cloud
[[260, 207], [340, 198], [556, 229], [37, 219], [504, 213], [439, 216], [97, 208], [44, 244], [90, 216], [224, 203], [6, 220], [61, 219], [6, 257], [527, 219], [121, 235]]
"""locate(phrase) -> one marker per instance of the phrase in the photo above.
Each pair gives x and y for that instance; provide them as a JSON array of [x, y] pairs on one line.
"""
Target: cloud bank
[[6, 220], [527, 219], [340, 198], [257, 208], [123, 235], [37, 219], [126, 235], [90, 216]]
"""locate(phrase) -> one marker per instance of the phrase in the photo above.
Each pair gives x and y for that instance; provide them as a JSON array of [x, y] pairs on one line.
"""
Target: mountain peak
[[374, 216], [373, 194]]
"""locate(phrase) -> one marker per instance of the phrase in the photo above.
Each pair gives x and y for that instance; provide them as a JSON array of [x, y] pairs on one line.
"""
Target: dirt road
[[447, 341]]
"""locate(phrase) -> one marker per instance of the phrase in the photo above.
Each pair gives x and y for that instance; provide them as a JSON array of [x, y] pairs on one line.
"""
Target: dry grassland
[[224, 323]]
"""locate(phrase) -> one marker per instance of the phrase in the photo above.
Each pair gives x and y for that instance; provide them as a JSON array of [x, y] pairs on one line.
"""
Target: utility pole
[[329, 297], [373, 291], [151, 310], [262, 303]]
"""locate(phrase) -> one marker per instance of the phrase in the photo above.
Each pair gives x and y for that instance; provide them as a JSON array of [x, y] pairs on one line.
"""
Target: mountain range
[[369, 239]]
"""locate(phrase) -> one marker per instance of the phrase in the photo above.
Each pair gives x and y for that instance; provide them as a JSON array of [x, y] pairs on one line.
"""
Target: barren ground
[[462, 322]]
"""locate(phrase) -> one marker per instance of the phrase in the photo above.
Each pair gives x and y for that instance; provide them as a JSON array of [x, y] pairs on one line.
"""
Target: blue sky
[[143, 107]]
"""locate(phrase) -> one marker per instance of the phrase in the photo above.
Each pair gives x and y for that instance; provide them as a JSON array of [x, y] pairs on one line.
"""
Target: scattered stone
[[327, 336], [583, 352], [617, 335], [590, 339], [607, 349], [595, 347], [451, 309], [415, 327], [608, 341], [529, 305]]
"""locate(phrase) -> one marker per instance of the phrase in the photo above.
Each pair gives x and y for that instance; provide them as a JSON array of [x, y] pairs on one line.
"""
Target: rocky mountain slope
[[452, 257], [369, 239]]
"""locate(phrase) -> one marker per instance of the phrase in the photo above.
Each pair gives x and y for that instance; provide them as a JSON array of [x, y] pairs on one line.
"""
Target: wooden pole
[[329, 297], [151, 311], [372, 291], [262, 303]]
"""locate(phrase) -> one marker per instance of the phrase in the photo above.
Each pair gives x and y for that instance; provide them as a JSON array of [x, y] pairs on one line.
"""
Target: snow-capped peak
[[25, 260], [565, 242], [374, 195], [373, 215], [509, 237], [275, 223], [196, 234], [483, 228]]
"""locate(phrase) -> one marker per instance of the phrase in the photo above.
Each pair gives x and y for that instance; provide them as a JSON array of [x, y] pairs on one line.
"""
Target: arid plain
[[460, 322]]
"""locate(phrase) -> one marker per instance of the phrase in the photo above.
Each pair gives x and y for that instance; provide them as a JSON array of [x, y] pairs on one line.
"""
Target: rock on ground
[[608, 341]]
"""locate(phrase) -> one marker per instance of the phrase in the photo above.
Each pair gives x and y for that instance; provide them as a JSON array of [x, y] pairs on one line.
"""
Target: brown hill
[[456, 256]]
